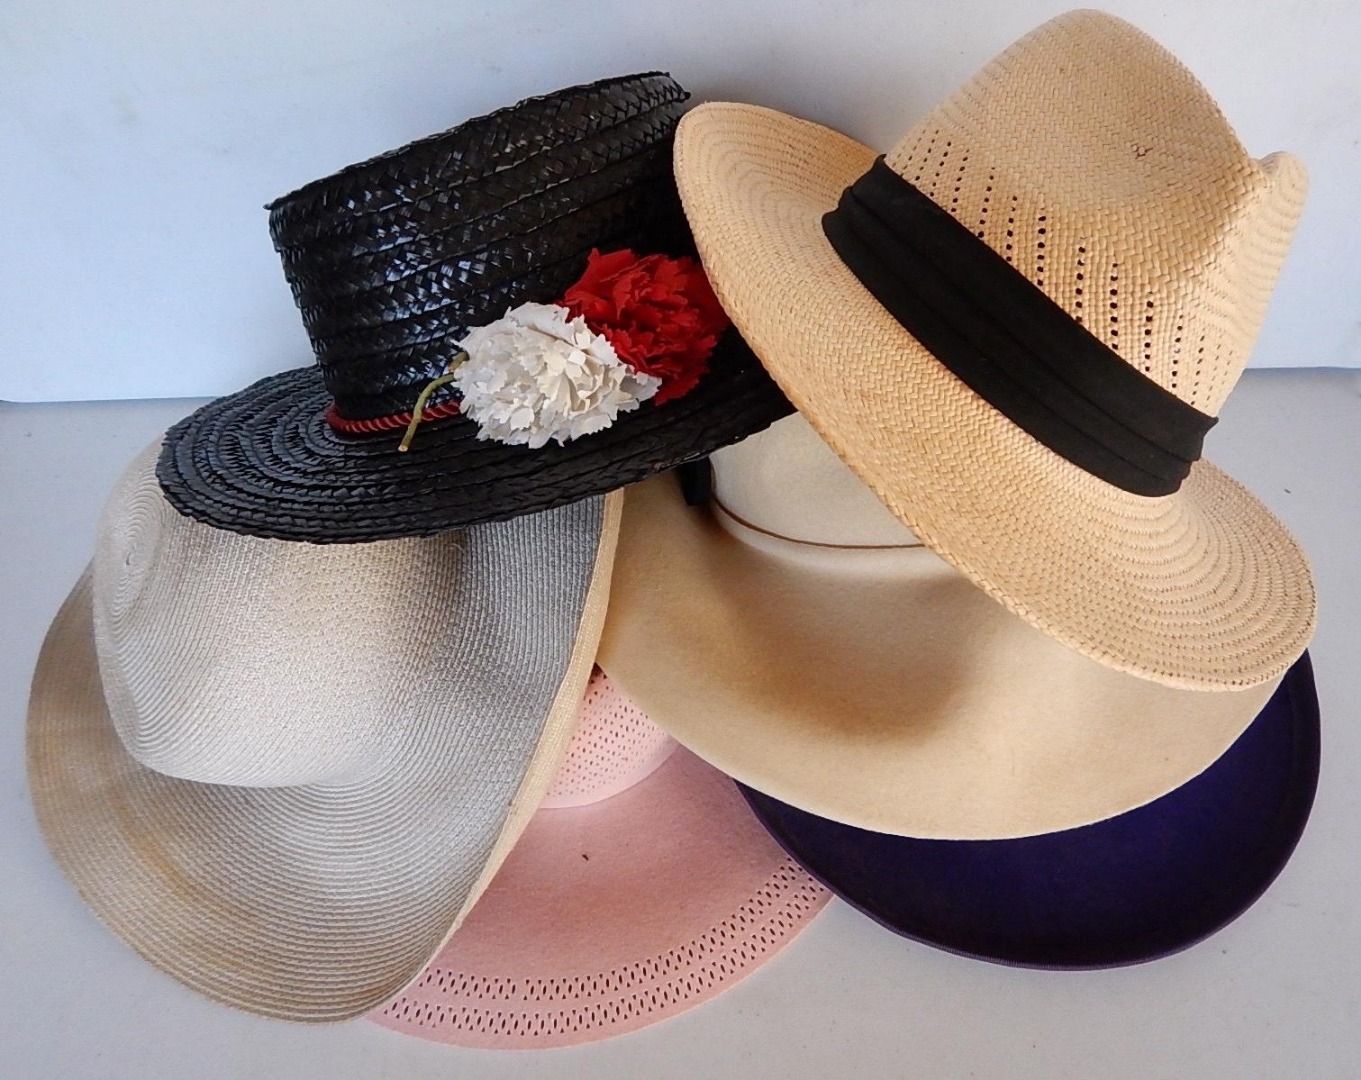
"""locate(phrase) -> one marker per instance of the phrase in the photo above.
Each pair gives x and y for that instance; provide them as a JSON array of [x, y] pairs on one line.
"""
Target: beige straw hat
[[1089, 252], [797, 636], [284, 772]]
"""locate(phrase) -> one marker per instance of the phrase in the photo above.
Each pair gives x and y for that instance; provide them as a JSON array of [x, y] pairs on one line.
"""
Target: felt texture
[[1133, 888], [805, 643]]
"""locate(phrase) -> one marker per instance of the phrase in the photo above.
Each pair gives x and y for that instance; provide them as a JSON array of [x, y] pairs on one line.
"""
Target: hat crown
[[1097, 165], [788, 483], [229, 659], [392, 261], [614, 745]]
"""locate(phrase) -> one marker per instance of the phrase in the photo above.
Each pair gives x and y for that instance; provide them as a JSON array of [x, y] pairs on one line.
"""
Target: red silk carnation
[[659, 313]]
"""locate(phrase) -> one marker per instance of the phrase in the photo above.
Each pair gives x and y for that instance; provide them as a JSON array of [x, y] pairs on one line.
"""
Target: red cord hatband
[[387, 423]]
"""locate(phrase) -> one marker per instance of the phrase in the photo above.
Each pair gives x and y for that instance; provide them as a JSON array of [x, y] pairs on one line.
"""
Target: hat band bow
[[1009, 342]]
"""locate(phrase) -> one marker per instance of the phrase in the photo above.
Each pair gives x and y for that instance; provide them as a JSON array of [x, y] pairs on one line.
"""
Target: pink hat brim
[[609, 917]]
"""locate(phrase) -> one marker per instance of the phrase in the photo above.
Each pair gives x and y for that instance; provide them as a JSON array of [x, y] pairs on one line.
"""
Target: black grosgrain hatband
[[1009, 342]]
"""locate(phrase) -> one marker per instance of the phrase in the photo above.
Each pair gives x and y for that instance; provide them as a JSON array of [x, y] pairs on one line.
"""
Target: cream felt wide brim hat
[[1094, 164], [797, 636], [284, 772]]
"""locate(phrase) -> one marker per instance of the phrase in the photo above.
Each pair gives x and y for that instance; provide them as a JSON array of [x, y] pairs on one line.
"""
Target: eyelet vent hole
[[614, 746], [468, 1009]]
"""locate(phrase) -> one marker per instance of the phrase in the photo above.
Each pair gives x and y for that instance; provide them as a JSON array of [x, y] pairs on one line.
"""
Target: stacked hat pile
[[527, 670]]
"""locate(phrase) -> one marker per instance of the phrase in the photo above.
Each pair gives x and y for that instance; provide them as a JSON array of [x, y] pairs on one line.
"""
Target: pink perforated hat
[[644, 887]]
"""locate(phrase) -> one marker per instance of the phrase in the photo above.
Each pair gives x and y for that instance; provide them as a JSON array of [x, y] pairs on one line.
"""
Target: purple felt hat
[[1135, 887]]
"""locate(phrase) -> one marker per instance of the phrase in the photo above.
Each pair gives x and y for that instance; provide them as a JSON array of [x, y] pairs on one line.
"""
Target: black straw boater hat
[[395, 261]]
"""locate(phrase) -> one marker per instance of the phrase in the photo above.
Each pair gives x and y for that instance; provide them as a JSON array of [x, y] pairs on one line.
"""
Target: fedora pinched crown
[[1016, 328], [1141, 215]]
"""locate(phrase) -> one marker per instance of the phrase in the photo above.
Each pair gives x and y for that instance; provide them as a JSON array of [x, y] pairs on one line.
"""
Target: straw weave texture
[[1093, 160], [618, 912], [368, 728], [613, 747], [391, 262]]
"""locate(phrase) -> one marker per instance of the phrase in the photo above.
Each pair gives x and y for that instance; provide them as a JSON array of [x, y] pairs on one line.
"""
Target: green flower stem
[[430, 388]]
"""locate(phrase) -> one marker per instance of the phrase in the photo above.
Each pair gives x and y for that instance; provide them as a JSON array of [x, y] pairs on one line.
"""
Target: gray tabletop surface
[[1276, 995]]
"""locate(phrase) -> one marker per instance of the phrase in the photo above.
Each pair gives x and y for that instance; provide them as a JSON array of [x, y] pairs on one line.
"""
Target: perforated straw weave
[[613, 915], [1096, 164], [614, 746]]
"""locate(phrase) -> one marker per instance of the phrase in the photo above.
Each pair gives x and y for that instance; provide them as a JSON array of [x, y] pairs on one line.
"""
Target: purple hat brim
[[1135, 887]]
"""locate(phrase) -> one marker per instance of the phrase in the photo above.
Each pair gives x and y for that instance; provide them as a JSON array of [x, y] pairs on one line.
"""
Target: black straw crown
[[391, 261]]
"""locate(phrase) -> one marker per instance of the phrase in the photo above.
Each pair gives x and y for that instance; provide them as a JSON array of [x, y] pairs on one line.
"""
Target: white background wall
[[140, 138]]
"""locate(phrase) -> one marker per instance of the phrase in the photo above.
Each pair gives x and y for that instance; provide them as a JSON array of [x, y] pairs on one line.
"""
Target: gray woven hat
[[284, 772]]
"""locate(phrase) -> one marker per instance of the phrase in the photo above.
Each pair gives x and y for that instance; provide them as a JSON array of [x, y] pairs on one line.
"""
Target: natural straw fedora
[[1016, 328], [798, 637], [283, 773], [565, 203], [1130, 889], [644, 887]]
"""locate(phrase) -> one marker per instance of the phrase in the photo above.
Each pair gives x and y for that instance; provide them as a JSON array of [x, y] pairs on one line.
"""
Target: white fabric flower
[[534, 375]]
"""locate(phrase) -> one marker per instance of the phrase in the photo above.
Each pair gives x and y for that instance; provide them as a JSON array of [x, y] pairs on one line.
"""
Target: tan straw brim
[[881, 689], [1201, 589], [319, 903]]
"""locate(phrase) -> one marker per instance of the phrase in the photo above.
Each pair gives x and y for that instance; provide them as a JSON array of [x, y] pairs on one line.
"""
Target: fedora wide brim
[[881, 688], [613, 916], [1201, 589], [1124, 891], [265, 462], [320, 902]]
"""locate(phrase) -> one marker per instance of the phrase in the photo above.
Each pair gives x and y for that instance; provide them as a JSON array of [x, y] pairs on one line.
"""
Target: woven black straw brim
[[265, 462], [391, 262]]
